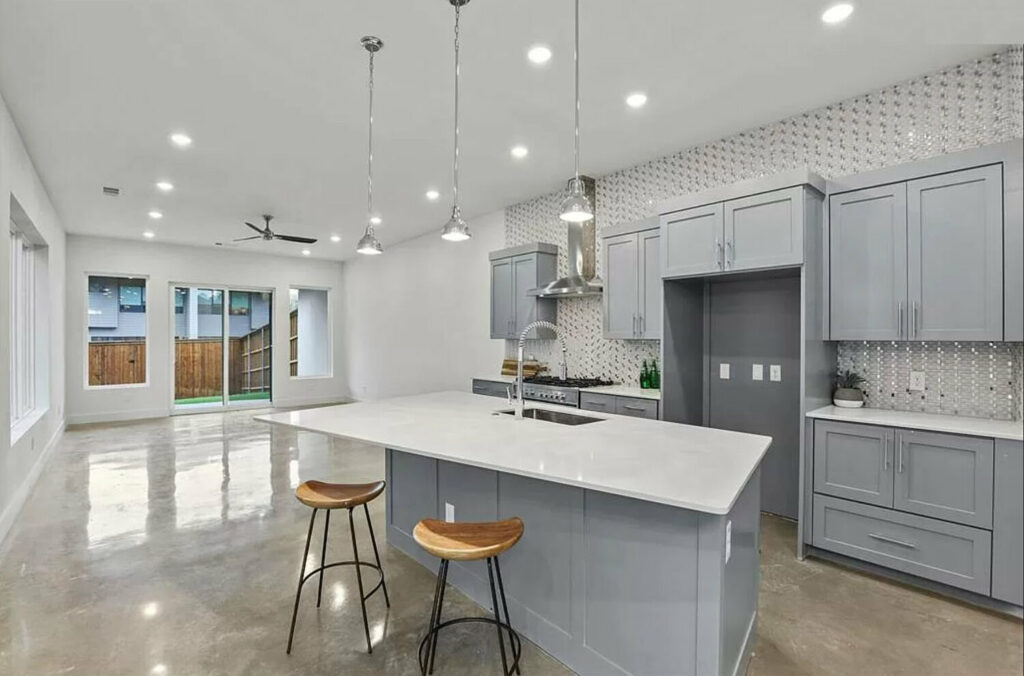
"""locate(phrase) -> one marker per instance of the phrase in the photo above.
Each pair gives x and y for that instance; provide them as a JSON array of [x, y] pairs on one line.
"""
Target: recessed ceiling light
[[155, 215], [306, 252], [433, 195], [335, 238], [636, 100], [164, 186], [375, 220], [539, 54], [181, 140], [837, 13], [519, 152], [149, 234]]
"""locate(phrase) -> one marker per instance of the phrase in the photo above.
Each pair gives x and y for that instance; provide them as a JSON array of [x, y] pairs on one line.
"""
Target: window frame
[[85, 324], [24, 402]]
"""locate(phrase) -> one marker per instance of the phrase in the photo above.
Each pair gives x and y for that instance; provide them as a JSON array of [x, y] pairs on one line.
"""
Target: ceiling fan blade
[[291, 238], [259, 230], [245, 239]]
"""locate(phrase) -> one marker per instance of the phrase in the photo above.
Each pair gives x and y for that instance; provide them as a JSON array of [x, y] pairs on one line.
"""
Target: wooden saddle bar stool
[[326, 496], [466, 541]]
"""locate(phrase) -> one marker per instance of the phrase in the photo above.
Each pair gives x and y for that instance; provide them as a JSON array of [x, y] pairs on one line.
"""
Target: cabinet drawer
[[490, 388], [597, 402], [949, 553], [945, 476], [638, 408]]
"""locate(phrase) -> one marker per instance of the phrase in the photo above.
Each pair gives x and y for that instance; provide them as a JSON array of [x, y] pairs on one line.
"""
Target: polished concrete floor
[[172, 546]]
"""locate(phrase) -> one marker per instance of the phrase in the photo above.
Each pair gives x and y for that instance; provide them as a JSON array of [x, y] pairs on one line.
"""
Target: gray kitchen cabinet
[[1008, 514], [691, 241], [854, 461], [765, 231], [956, 555], [605, 403], [868, 263], [632, 283], [514, 273], [637, 407], [944, 476], [955, 255], [1013, 251], [490, 388]]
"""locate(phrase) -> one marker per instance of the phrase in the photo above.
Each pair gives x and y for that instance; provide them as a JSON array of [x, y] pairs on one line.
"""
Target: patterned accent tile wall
[[965, 106]]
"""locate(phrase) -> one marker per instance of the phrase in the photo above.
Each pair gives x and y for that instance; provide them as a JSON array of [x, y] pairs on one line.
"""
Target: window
[[310, 336], [117, 331], [23, 320], [240, 302]]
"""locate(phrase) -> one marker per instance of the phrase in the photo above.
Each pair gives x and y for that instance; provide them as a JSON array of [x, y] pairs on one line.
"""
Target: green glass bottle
[[654, 380], [645, 377]]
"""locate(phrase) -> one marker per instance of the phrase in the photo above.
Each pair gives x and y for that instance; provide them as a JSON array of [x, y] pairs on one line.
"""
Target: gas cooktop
[[554, 381]]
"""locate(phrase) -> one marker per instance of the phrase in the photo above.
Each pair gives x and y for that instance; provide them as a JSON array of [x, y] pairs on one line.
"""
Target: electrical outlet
[[757, 373], [775, 373], [449, 511], [723, 371], [917, 381]]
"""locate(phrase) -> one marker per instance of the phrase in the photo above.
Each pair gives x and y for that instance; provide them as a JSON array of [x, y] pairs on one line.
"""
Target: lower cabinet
[[925, 503], [490, 388], [609, 403]]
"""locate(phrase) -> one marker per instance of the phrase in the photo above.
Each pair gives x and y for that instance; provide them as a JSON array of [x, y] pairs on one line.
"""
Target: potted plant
[[848, 393]]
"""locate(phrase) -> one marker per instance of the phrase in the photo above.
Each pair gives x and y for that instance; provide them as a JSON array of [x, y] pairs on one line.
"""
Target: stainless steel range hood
[[581, 249]]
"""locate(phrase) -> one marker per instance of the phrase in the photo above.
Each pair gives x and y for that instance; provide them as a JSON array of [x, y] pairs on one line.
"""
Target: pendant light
[[576, 206], [368, 243], [456, 229]]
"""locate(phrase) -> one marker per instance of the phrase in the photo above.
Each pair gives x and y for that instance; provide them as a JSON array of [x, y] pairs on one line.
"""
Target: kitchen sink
[[560, 417]]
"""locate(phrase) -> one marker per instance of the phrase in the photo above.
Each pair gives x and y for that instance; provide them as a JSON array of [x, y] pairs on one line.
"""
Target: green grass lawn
[[248, 396]]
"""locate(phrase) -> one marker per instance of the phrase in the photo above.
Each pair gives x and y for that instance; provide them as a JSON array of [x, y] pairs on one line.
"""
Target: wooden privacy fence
[[121, 362]]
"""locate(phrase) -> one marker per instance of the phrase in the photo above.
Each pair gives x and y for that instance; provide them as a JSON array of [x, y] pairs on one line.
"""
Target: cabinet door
[[691, 241], [502, 306], [765, 231], [944, 476], [524, 278], [868, 263], [650, 284], [955, 255], [853, 461], [621, 291]]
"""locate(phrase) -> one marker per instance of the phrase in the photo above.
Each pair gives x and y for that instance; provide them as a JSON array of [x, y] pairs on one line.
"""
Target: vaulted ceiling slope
[[274, 95]]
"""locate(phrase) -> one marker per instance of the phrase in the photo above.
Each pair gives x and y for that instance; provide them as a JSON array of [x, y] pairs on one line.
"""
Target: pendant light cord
[[576, 61], [455, 158], [369, 158]]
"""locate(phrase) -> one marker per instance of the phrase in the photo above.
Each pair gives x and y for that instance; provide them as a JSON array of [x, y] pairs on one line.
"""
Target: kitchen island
[[641, 548]]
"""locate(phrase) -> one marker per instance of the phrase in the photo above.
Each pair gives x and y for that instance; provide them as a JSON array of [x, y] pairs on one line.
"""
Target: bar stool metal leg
[[433, 614], [359, 579], [323, 558], [440, 609], [302, 570], [504, 606], [376, 555], [497, 617]]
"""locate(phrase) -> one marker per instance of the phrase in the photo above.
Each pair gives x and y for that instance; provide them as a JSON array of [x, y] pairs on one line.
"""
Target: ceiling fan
[[267, 234]]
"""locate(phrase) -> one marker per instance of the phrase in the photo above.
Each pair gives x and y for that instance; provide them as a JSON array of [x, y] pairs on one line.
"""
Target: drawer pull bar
[[634, 408], [892, 541]]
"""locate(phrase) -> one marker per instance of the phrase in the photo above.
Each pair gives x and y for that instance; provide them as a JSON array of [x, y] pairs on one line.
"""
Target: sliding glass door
[[222, 347]]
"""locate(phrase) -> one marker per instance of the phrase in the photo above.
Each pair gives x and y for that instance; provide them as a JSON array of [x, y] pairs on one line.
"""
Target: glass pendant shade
[[369, 244], [576, 207], [456, 229]]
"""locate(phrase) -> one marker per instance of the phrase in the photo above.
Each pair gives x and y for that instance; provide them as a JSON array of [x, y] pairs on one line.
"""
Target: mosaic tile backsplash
[[965, 106]]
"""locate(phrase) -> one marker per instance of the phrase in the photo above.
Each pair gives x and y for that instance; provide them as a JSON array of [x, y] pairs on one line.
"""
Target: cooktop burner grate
[[568, 382]]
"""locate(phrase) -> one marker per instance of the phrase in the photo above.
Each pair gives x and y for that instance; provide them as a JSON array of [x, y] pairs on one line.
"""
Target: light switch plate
[[757, 373], [723, 371], [917, 381], [449, 511], [775, 373]]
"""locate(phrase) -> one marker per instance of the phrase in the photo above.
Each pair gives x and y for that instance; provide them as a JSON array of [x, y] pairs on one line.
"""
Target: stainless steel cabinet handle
[[719, 253], [640, 323], [892, 541], [634, 408], [885, 455], [899, 463], [914, 334], [730, 254], [899, 324]]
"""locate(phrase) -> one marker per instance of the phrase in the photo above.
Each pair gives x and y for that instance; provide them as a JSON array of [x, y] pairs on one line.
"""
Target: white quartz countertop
[[498, 378], [684, 466], [625, 391], [933, 422]]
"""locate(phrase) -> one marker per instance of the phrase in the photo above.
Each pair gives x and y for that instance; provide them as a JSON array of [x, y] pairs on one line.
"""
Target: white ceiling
[[274, 95]]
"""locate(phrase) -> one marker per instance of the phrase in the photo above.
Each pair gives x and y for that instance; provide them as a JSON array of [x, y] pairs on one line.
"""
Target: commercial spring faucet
[[563, 371]]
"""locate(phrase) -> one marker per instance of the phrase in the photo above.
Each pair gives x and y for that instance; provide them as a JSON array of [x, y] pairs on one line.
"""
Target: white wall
[[314, 333], [164, 265], [417, 318], [21, 463]]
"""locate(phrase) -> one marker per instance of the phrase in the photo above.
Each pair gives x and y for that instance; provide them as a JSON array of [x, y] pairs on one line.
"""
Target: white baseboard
[[20, 496], [117, 416]]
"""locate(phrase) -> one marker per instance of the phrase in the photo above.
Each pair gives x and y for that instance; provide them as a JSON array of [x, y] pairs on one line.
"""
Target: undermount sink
[[560, 417]]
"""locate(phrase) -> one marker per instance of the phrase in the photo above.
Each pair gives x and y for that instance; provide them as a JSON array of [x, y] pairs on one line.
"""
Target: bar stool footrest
[[517, 645], [380, 572]]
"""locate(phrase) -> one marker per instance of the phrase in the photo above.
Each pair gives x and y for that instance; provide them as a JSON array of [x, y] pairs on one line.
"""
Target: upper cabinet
[[632, 281], [514, 273], [923, 258], [759, 230]]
